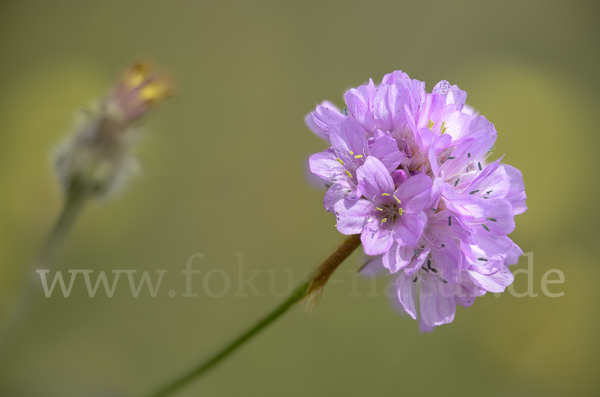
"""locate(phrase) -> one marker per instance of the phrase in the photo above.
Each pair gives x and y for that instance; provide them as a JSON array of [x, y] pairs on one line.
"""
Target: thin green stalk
[[74, 203], [309, 288]]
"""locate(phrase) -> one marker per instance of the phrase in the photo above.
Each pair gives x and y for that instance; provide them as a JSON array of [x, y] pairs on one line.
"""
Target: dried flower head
[[407, 170], [98, 158]]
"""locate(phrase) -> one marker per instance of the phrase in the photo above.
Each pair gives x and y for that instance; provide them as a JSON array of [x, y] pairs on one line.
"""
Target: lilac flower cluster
[[407, 171]]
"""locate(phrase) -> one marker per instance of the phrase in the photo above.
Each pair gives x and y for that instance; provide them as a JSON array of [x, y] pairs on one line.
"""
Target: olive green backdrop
[[223, 172]]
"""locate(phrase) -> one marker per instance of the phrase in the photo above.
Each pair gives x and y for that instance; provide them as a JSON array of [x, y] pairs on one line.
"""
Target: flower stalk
[[310, 289], [75, 200]]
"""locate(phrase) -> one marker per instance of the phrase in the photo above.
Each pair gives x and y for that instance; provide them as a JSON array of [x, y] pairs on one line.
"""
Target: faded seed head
[[98, 157]]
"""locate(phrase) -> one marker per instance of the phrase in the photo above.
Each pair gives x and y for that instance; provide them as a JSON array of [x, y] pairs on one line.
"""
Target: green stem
[[74, 203], [302, 291]]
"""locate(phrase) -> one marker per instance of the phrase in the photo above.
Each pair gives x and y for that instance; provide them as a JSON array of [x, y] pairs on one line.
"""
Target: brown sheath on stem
[[323, 272]]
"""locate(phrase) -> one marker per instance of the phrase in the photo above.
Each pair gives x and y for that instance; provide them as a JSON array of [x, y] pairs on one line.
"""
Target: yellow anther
[[400, 211], [155, 91], [430, 124], [379, 209], [358, 156], [443, 129], [397, 199], [383, 220], [349, 174], [341, 162], [351, 152], [385, 194]]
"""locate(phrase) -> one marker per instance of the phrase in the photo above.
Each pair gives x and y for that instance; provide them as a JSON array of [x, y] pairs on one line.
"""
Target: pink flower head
[[407, 171]]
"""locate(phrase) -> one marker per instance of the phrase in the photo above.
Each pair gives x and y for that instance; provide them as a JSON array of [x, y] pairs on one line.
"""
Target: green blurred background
[[224, 172]]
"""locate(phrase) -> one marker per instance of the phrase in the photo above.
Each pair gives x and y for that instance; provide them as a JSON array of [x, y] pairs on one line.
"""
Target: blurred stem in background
[[74, 203], [95, 162], [310, 289]]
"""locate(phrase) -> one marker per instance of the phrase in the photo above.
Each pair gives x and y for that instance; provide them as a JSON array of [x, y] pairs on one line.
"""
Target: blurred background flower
[[97, 159], [247, 74]]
